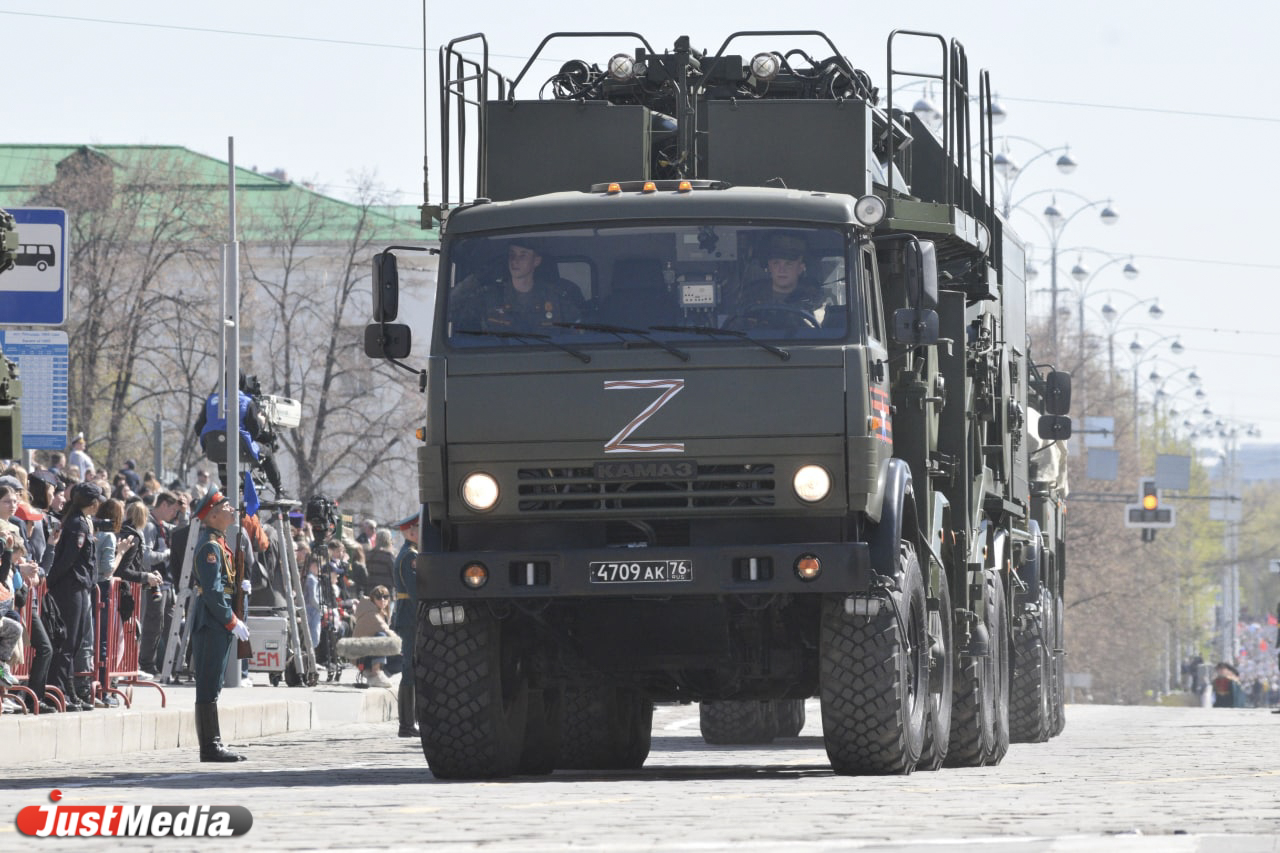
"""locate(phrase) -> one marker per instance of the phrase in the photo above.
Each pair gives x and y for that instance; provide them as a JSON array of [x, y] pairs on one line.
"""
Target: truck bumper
[[646, 572]]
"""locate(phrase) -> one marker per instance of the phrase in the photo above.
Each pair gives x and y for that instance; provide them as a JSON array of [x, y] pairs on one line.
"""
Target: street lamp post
[[1229, 431], [1113, 317], [1190, 386], [1141, 355], [1084, 278], [1058, 222], [1009, 170]]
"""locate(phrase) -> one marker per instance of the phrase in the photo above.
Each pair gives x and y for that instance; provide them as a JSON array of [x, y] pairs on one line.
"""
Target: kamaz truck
[[728, 400]]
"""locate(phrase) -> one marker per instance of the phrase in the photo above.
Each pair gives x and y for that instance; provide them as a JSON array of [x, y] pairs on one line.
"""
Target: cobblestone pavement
[[1119, 778]]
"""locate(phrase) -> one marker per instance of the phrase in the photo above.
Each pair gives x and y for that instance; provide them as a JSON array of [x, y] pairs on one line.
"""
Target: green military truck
[[728, 400]]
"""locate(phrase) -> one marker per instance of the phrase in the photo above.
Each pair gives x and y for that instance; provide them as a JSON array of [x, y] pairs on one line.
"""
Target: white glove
[[245, 586], [241, 630]]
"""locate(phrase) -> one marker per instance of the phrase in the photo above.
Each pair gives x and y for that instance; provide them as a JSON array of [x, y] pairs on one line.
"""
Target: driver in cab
[[786, 298], [519, 301]]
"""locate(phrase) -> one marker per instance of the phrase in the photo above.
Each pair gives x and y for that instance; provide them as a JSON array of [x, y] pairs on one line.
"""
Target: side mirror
[[915, 326], [1057, 392], [386, 288], [387, 340], [1054, 427], [922, 274]]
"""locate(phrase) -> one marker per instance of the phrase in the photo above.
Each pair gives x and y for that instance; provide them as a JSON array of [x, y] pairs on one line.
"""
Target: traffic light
[[1150, 496], [1148, 514]]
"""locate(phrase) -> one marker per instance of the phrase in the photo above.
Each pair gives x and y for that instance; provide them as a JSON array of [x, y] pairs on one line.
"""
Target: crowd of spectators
[[129, 525], [120, 527]]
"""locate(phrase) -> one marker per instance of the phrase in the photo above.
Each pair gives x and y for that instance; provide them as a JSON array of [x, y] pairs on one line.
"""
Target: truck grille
[[578, 490]]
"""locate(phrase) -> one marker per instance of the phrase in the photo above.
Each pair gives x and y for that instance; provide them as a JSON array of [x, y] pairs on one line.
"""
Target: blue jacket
[[213, 423]]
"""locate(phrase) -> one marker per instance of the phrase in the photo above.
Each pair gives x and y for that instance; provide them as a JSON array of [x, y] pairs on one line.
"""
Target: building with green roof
[[146, 227]]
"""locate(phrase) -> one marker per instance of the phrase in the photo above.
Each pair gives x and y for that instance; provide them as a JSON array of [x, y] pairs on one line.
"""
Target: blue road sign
[[42, 367], [34, 292]]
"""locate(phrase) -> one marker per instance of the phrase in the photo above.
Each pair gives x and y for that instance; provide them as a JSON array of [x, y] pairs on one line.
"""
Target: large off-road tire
[[542, 732], [1000, 642], [1059, 669], [738, 722], [790, 717], [937, 731], [1031, 694], [874, 678], [472, 698], [973, 707], [604, 729]]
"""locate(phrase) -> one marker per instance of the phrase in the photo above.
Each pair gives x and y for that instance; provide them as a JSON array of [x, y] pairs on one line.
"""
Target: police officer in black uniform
[[70, 581], [214, 624], [404, 620]]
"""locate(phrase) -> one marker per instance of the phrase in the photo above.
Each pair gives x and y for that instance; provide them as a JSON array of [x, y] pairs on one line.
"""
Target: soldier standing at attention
[[214, 625], [405, 618]]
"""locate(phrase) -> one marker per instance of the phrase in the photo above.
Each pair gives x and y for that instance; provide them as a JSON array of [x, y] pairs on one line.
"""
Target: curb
[[32, 739]]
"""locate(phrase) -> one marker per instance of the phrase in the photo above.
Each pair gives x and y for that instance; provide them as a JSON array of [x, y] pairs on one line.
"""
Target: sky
[[1169, 109]]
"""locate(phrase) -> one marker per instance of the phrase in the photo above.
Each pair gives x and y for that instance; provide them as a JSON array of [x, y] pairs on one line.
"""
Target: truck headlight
[[812, 483], [480, 491]]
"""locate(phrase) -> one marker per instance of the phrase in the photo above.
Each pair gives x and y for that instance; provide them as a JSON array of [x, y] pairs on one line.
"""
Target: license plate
[[642, 571]]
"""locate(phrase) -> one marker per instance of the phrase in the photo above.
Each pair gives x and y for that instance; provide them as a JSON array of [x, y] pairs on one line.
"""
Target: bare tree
[[140, 241], [307, 265]]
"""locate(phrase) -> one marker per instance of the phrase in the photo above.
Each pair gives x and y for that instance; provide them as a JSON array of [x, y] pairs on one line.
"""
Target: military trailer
[[728, 400]]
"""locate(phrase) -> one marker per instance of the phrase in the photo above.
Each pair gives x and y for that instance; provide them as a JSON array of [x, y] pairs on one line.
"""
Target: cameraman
[[255, 436]]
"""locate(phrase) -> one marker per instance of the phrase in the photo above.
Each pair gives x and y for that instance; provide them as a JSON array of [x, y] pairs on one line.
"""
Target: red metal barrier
[[119, 663], [28, 652]]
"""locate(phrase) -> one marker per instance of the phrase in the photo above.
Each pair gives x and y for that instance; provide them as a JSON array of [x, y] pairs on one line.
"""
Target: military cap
[[408, 521], [86, 493], [47, 477], [208, 502], [784, 246]]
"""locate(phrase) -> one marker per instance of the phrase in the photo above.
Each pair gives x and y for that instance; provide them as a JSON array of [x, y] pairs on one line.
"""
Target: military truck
[[728, 400]]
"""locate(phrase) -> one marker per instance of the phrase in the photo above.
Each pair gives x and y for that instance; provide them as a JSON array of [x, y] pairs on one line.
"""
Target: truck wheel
[[1031, 697], [472, 697], [937, 730], [874, 678], [790, 716], [636, 716], [1004, 675], [608, 728], [973, 707], [738, 722], [1059, 670], [541, 733]]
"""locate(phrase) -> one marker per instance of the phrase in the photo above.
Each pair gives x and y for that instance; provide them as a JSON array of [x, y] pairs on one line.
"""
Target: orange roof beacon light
[[614, 188], [650, 187]]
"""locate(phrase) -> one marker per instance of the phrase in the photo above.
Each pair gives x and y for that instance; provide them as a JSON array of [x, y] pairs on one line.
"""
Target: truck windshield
[[647, 285]]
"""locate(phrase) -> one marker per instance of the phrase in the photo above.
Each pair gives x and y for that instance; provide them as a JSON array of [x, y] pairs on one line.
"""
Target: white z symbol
[[619, 444]]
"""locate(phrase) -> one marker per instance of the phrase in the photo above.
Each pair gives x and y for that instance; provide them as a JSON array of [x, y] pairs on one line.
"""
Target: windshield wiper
[[619, 331], [527, 337], [727, 333]]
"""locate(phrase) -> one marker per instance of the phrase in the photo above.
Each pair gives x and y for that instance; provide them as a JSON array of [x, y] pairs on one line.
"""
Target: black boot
[[211, 748], [82, 692], [408, 728]]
